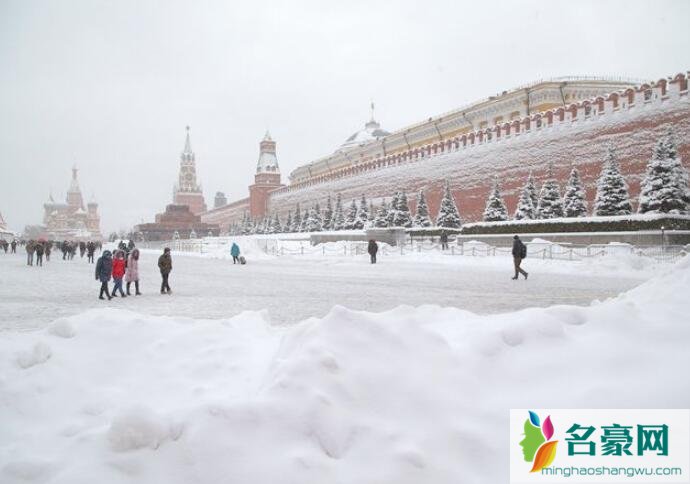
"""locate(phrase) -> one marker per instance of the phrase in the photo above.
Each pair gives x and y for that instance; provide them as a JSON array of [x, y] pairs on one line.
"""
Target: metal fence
[[535, 250]]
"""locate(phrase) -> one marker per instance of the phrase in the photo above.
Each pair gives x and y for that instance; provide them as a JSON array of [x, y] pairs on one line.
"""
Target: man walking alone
[[165, 266], [519, 253]]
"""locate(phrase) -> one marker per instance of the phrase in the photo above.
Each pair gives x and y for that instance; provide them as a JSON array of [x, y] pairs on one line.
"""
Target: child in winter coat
[[104, 268], [118, 272], [132, 274]]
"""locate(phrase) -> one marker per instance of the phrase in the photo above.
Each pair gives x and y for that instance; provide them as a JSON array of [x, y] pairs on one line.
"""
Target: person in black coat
[[519, 253], [373, 248], [104, 269], [444, 240]]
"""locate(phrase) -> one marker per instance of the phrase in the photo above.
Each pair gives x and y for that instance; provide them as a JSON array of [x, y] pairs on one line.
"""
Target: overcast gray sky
[[110, 85]]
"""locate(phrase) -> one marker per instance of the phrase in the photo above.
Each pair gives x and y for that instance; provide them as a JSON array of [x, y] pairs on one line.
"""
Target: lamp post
[[663, 239]]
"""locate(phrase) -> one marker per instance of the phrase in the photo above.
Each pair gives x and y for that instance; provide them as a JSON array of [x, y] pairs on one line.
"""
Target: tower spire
[[187, 143]]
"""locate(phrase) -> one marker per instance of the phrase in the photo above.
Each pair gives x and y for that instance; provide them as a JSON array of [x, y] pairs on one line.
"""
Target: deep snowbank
[[407, 396]]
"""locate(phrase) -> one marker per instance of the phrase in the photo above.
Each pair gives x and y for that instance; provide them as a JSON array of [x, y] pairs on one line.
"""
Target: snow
[[469, 169], [411, 394]]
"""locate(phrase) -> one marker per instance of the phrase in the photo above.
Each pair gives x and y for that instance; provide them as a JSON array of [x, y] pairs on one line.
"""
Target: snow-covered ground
[[147, 390], [294, 288]]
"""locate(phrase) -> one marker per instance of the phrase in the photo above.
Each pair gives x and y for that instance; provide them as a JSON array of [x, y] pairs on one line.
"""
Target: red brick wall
[[471, 170]]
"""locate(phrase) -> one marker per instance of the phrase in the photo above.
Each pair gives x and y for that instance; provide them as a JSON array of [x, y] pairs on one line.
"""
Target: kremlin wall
[[569, 122]]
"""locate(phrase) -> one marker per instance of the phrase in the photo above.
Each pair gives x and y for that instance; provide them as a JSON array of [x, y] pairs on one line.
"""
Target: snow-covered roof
[[372, 131]]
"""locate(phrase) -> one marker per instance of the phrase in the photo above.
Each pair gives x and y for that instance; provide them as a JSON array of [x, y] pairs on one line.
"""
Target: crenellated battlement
[[600, 108]]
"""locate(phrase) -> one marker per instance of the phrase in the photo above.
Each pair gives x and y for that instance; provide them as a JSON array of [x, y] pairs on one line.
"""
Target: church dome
[[372, 131]]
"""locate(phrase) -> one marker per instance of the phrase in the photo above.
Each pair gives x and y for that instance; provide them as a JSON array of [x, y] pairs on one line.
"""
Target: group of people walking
[[39, 250], [123, 265]]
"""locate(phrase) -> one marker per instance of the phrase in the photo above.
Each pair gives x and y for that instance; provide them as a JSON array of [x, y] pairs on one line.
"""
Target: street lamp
[[663, 243]]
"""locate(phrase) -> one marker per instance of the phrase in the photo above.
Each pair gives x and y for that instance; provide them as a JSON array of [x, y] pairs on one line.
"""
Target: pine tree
[[574, 199], [296, 221], [276, 227], [288, 223], [328, 215], [550, 204], [403, 217], [665, 185], [247, 225], [421, 218], [338, 215], [393, 209], [312, 221], [532, 191], [495, 210], [381, 219], [526, 210], [448, 215], [362, 218], [612, 192], [351, 217]]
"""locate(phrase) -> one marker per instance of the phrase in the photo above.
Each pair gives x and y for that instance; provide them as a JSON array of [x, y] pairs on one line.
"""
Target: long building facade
[[564, 122]]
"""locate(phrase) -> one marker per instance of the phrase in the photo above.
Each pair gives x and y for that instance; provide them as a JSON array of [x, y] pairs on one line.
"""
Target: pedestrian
[[48, 250], [519, 253], [82, 249], [4, 245], [39, 254], [132, 273], [90, 249], [104, 268], [14, 246], [165, 266], [373, 248], [118, 273], [444, 240], [30, 249], [235, 253]]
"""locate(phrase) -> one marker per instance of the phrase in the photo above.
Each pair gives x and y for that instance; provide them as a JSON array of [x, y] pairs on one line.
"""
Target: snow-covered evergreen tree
[[526, 210], [448, 215], [312, 221], [550, 203], [665, 185], [392, 209], [351, 217], [495, 210], [327, 223], [531, 189], [421, 217], [403, 217], [276, 226], [296, 221], [288, 223], [381, 219], [248, 225], [338, 215], [612, 191], [574, 199], [362, 218]]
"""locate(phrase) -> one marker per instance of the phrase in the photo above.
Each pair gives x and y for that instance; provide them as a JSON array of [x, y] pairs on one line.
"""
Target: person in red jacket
[[118, 272]]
